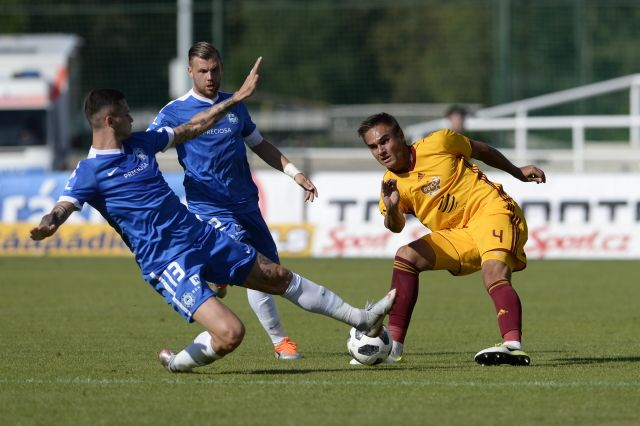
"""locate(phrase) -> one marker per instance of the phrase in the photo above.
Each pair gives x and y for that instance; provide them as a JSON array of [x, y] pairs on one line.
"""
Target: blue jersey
[[127, 188], [217, 174]]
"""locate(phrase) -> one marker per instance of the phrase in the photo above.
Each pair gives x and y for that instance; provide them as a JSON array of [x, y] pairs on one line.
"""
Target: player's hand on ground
[[390, 194], [532, 174], [41, 232], [310, 191], [250, 83]]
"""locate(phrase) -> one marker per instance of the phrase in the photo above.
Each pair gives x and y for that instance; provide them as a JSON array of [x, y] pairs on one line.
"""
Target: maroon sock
[[405, 280], [508, 309]]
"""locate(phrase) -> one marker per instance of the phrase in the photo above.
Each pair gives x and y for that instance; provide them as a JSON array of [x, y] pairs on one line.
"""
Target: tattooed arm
[[52, 221], [202, 121]]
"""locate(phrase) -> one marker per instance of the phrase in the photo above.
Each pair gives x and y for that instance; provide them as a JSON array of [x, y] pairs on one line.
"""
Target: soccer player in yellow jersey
[[475, 225]]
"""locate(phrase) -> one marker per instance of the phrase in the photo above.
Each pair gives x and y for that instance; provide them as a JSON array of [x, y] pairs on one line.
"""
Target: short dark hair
[[456, 109], [98, 99], [204, 50], [379, 118]]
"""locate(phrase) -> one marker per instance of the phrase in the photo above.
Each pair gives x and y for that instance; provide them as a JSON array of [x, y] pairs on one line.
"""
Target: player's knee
[[411, 255], [281, 278], [268, 276], [495, 271], [231, 337], [405, 252], [236, 336]]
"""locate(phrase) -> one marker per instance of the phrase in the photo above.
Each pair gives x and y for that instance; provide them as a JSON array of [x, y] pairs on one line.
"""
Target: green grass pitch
[[79, 336]]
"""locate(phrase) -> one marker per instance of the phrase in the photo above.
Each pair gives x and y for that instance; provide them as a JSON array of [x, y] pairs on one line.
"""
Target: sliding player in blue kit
[[217, 179], [177, 253]]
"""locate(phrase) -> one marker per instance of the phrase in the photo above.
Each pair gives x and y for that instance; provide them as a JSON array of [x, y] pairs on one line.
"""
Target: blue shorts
[[214, 258], [249, 228]]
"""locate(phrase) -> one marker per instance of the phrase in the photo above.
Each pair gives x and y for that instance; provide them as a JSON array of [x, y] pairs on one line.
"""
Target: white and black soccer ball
[[369, 350]]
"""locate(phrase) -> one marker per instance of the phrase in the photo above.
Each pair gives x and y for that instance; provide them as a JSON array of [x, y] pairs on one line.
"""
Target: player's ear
[[107, 120], [400, 134]]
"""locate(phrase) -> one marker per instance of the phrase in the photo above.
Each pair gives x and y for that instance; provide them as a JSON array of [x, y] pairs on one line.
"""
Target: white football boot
[[375, 313], [502, 354], [166, 357]]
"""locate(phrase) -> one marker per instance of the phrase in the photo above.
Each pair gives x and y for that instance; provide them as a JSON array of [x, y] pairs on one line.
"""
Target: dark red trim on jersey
[[515, 220], [413, 158]]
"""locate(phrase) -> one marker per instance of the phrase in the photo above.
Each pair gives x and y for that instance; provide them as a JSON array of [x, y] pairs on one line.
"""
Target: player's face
[[120, 120], [388, 148], [206, 75], [456, 121]]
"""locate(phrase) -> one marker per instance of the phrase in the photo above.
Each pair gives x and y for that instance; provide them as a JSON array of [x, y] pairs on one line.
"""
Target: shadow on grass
[[297, 371], [416, 361], [461, 353], [408, 366], [409, 354], [596, 360]]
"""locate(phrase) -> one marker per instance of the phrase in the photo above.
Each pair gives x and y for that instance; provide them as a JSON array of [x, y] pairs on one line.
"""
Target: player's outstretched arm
[[271, 155], [202, 121], [394, 220], [50, 222], [494, 158]]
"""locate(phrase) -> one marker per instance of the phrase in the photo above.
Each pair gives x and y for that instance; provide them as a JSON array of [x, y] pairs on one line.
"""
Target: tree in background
[[439, 52], [349, 51], [318, 53]]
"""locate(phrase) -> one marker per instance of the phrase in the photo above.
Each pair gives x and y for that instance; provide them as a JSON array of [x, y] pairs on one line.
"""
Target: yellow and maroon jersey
[[442, 188]]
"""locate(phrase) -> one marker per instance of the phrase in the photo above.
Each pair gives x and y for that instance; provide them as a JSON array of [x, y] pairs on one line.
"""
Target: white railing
[[514, 117]]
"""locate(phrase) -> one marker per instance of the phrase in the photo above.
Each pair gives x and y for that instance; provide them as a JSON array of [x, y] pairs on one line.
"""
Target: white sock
[[264, 305], [320, 300], [513, 344], [196, 354]]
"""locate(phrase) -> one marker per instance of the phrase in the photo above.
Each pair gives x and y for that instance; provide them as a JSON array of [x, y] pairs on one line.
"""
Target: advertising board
[[570, 217]]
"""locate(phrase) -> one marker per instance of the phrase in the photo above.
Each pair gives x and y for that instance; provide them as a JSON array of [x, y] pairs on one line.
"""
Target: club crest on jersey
[[233, 119], [432, 187], [139, 152]]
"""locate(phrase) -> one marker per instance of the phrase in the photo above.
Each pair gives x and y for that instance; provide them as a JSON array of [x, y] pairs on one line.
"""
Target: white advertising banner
[[590, 216], [571, 216], [281, 199]]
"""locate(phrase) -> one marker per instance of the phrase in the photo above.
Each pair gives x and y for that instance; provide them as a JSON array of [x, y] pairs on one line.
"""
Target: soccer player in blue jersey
[[177, 253], [218, 181]]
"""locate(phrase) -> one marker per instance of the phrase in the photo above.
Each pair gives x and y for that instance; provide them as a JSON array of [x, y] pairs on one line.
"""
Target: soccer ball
[[369, 350]]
